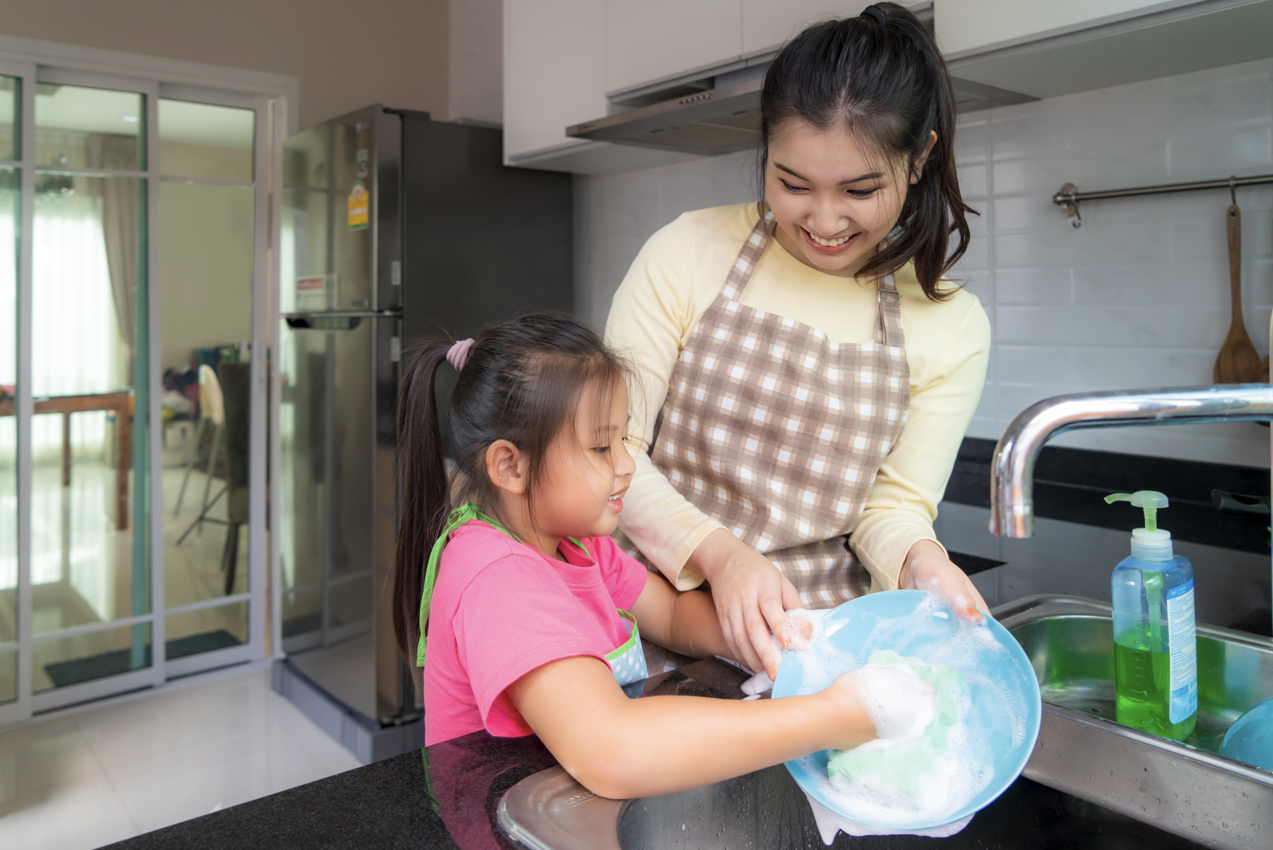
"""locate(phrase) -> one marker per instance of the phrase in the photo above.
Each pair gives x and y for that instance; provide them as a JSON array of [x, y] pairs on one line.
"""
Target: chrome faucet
[[1012, 470]]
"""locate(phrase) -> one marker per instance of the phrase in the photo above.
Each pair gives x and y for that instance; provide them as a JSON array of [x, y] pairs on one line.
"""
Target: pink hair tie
[[459, 353]]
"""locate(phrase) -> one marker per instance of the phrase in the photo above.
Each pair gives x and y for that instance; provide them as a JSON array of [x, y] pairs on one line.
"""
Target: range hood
[[727, 118]]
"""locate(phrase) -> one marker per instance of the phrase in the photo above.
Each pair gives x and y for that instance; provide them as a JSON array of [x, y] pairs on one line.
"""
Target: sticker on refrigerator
[[358, 206], [361, 157]]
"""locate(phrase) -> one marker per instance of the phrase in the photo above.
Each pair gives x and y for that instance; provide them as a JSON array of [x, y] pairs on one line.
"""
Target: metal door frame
[[272, 98]]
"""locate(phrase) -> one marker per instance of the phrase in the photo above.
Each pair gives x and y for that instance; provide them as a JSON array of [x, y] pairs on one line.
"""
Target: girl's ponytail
[[424, 487]]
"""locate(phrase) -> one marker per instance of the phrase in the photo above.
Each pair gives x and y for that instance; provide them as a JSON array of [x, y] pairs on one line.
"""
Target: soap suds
[[955, 761]]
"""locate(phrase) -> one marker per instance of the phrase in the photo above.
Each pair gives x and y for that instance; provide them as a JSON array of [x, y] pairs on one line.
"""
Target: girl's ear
[[917, 167], [507, 467]]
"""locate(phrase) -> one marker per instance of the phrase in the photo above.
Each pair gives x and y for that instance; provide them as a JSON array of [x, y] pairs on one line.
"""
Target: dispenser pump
[[1150, 543]]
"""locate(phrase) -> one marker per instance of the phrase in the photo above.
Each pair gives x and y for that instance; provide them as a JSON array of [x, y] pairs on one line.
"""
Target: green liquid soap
[[1144, 686]]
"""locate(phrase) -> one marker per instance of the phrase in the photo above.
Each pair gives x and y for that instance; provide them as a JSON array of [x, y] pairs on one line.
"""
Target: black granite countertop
[[446, 797]]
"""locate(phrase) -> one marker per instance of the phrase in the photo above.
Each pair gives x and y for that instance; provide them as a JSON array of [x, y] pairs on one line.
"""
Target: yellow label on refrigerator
[[359, 203]]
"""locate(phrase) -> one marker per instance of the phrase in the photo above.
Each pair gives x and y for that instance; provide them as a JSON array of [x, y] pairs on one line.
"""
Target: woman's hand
[[751, 597], [927, 568]]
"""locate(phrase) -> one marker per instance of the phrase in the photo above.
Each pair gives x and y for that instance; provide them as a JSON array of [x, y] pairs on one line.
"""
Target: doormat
[[117, 661]]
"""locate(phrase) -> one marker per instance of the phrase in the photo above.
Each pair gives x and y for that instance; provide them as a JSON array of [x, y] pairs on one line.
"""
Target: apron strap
[[888, 317], [464, 513], [749, 254]]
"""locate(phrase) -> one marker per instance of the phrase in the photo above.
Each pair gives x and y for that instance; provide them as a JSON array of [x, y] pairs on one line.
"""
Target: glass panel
[[89, 553], [9, 103], [8, 676], [78, 127], [206, 243], [198, 140], [204, 631], [9, 207], [63, 662]]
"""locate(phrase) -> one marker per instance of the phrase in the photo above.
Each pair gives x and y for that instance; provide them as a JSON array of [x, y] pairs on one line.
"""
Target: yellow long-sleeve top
[[670, 285]]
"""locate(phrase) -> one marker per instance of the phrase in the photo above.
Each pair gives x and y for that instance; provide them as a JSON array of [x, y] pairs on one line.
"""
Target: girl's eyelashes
[[863, 193], [793, 189]]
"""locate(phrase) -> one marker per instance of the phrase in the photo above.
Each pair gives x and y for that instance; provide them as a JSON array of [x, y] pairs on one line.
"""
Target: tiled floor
[[109, 773]]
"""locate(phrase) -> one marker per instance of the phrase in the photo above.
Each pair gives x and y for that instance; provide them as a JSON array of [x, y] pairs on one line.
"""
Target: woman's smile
[[829, 246]]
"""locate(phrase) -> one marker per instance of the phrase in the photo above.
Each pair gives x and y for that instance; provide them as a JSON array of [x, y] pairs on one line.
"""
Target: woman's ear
[[917, 168], [507, 467]]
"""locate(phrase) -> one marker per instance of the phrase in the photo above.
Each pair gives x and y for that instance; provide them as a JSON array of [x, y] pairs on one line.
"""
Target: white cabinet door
[[654, 40], [554, 72], [966, 26], [769, 23]]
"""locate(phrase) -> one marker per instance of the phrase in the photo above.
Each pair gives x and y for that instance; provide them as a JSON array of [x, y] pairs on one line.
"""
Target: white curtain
[[75, 335]]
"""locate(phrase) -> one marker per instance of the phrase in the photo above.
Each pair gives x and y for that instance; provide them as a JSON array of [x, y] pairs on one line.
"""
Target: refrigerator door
[[341, 180], [338, 360]]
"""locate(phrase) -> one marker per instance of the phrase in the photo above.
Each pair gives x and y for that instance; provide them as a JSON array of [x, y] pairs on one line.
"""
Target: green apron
[[627, 661]]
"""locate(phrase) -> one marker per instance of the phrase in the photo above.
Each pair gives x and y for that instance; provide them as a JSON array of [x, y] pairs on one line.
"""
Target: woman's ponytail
[[424, 487]]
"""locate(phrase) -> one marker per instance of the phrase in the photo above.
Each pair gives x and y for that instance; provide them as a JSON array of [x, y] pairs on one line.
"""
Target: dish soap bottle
[[1155, 646]]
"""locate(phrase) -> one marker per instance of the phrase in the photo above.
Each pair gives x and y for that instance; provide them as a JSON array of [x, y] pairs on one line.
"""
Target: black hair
[[522, 382], [882, 77]]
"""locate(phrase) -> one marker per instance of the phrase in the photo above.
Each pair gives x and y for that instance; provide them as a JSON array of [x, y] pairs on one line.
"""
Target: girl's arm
[[619, 747], [684, 622]]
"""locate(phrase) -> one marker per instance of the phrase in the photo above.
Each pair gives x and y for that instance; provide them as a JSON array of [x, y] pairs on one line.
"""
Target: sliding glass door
[[133, 301]]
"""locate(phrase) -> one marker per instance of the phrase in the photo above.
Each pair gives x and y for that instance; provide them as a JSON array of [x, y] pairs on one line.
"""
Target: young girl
[[522, 611]]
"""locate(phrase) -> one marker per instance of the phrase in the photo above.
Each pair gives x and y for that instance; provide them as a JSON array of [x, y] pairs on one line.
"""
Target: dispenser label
[[1183, 644]]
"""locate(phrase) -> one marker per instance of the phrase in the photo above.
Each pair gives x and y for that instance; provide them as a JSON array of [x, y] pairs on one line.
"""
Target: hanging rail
[[1069, 197]]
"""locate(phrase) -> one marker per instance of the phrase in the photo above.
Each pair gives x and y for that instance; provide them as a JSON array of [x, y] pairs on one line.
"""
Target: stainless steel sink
[[1186, 789], [1183, 788]]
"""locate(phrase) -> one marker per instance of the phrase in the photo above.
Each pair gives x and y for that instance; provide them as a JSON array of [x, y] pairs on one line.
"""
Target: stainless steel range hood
[[727, 118]]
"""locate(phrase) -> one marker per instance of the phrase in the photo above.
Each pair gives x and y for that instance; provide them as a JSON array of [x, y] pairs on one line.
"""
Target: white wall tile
[[1138, 296]]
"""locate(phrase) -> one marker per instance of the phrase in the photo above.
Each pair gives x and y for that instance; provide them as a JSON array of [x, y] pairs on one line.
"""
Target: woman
[[805, 374]]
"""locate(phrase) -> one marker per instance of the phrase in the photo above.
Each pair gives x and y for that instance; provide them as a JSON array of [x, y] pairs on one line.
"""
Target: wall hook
[[1067, 199]]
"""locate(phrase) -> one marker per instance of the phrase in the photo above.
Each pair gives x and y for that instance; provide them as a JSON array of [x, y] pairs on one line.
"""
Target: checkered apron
[[778, 433]]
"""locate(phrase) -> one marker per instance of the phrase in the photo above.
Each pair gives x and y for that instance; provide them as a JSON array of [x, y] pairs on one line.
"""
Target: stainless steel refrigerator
[[395, 227]]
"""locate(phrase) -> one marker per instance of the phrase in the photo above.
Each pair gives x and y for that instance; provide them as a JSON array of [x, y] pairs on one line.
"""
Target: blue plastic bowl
[[1250, 738], [863, 625]]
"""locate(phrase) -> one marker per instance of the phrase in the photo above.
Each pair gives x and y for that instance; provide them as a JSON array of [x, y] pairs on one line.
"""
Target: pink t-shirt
[[501, 609]]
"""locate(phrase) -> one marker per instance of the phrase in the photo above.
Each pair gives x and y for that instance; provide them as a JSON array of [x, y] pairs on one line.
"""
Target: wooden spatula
[[1238, 361]]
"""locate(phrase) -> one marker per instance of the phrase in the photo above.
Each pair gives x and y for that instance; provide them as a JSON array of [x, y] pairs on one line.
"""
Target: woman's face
[[833, 199]]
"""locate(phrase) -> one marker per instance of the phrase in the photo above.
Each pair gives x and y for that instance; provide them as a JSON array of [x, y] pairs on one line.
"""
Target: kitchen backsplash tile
[[1137, 297]]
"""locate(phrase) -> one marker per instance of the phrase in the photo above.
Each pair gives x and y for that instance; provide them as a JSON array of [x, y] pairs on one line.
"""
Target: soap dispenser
[[1155, 648]]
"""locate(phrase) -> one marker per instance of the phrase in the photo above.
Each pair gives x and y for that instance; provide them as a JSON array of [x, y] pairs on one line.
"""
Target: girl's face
[[586, 470], [834, 201]]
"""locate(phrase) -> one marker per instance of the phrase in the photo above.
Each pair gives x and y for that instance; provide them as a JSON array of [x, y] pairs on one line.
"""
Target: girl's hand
[[751, 597], [879, 701], [927, 568]]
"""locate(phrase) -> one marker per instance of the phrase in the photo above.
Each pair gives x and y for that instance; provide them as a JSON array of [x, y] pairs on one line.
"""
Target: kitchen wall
[[347, 55], [1136, 297], [477, 60]]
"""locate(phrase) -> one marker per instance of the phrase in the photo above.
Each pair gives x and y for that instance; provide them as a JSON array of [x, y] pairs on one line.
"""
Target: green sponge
[[903, 766]]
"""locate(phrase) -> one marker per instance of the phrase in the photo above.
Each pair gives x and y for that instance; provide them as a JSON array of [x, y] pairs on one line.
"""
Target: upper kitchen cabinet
[[1042, 48], [769, 23], [555, 76], [655, 41]]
